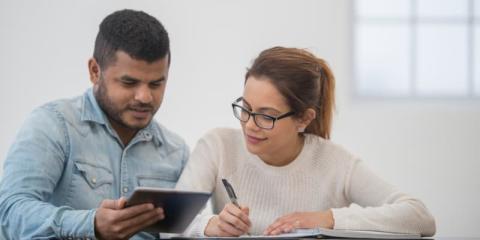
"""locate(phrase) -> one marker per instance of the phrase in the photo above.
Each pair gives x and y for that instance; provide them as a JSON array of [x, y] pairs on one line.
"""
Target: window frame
[[413, 22]]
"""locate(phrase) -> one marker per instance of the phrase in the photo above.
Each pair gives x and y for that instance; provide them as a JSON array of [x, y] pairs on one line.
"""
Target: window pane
[[383, 8], [476, 62], [382, 59], [442, 8], [442, 59]]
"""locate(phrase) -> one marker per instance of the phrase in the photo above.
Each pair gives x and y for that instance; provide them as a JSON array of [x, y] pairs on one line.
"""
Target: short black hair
[[138, 34]]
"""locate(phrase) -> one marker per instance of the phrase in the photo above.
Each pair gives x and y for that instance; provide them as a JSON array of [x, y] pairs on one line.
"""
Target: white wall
[[428, 148]]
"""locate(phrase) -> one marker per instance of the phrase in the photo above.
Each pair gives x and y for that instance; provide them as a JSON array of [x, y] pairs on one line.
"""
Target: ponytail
[[322, 124]]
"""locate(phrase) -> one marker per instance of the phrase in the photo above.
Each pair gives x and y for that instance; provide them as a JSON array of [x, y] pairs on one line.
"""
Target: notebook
[[333, 233]]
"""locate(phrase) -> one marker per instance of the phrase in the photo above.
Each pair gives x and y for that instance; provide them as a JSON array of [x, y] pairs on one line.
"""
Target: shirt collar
[[92, 112]]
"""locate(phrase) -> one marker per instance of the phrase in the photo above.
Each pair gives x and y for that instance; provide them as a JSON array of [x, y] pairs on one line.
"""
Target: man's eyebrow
[[129, 78], [159, 80], [132, 79]]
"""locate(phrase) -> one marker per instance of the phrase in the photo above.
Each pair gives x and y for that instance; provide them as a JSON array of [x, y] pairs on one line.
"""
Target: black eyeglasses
[[263, 121]]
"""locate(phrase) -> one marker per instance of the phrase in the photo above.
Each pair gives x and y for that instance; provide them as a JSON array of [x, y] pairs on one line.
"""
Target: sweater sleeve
[[200, 174], [378, 206]]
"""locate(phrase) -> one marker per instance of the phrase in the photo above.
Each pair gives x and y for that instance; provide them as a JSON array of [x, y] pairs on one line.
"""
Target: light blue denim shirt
[[67, 158]]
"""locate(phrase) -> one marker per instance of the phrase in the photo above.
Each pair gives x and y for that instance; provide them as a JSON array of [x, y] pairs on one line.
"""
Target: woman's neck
[[286, 155]]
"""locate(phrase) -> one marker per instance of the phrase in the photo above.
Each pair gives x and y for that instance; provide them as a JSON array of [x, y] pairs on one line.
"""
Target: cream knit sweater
[[323, 176]]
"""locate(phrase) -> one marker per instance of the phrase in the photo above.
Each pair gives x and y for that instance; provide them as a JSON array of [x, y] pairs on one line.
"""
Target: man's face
[[130, 91]]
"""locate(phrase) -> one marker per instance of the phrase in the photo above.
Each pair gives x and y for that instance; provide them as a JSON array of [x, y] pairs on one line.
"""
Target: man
[[72, 156]]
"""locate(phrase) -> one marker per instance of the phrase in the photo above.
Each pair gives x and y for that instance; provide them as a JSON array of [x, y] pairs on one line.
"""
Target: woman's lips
[[254, 140]]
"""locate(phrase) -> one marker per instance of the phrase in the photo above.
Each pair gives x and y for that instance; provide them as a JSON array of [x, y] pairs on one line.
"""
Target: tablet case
[[180, 207]]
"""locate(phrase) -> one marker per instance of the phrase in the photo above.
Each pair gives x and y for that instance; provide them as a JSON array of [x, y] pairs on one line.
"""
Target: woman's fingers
[[230, 229], [234, 219], [284, 224], [231, 221], [241, 213], [286, 227]]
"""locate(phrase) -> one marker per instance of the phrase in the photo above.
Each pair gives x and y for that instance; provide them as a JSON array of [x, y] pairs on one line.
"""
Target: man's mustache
[[141, 107]]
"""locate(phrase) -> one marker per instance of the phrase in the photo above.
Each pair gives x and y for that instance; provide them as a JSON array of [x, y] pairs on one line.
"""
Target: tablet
[[180, 207]]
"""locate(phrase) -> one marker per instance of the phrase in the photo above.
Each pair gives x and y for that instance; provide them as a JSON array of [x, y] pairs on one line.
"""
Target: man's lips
[[141, 113]]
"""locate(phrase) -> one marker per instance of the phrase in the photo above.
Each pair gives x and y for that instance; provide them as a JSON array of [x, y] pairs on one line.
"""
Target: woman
[[285, 171]]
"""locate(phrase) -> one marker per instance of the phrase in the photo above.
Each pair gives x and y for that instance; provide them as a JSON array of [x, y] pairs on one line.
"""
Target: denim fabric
[[67, 158]]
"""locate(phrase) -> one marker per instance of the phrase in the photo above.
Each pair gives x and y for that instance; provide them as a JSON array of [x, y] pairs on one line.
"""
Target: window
[[417, 48]]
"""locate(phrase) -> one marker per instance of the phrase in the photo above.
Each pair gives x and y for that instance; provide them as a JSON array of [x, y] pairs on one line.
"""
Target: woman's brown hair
[[303, 79]]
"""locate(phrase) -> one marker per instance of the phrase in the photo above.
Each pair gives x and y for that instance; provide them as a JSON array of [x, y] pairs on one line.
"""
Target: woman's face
[[261, 96]]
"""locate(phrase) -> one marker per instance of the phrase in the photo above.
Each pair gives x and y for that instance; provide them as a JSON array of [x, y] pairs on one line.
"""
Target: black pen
[[231, 194]]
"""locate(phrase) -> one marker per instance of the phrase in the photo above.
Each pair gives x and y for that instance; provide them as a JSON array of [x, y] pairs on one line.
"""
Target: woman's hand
[[230, 222], [290, 222]]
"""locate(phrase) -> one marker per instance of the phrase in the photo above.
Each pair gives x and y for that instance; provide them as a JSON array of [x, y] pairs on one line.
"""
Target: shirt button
[[125, 189], [148, 136], [94, 180]]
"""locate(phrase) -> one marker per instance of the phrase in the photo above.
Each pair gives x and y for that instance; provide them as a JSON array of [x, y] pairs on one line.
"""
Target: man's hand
[[114, 221]]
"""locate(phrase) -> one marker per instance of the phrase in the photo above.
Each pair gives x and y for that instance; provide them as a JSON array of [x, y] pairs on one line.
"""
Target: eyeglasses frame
[[250, 113]]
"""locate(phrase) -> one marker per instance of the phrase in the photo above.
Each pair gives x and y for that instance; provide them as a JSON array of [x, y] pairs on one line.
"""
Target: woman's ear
[[306, 119], [94, 70]]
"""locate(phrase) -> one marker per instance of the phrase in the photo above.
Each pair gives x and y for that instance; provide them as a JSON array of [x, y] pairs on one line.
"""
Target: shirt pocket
[[98, 178], [167, 179]]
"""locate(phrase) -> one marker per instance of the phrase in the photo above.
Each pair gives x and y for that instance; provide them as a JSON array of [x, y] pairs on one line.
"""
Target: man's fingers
[[108, 203], [114, 204], [142, 221], [120, 203], [133, 211]]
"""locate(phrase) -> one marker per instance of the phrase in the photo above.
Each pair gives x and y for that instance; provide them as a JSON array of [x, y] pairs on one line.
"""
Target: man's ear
[[94, 71], [306, 119]]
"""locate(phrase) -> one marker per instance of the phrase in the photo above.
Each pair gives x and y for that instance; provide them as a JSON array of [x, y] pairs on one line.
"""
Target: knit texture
[[323, 176]]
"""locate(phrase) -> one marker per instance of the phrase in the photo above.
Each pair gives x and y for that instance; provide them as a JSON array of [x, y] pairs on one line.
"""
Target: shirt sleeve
[[378, 206], [33, 167]]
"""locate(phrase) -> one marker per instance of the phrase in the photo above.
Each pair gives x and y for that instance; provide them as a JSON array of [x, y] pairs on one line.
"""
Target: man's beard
[[113, 112]]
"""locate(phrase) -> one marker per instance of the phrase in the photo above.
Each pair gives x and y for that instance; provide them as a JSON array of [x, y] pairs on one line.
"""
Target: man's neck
[[125, 134]]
